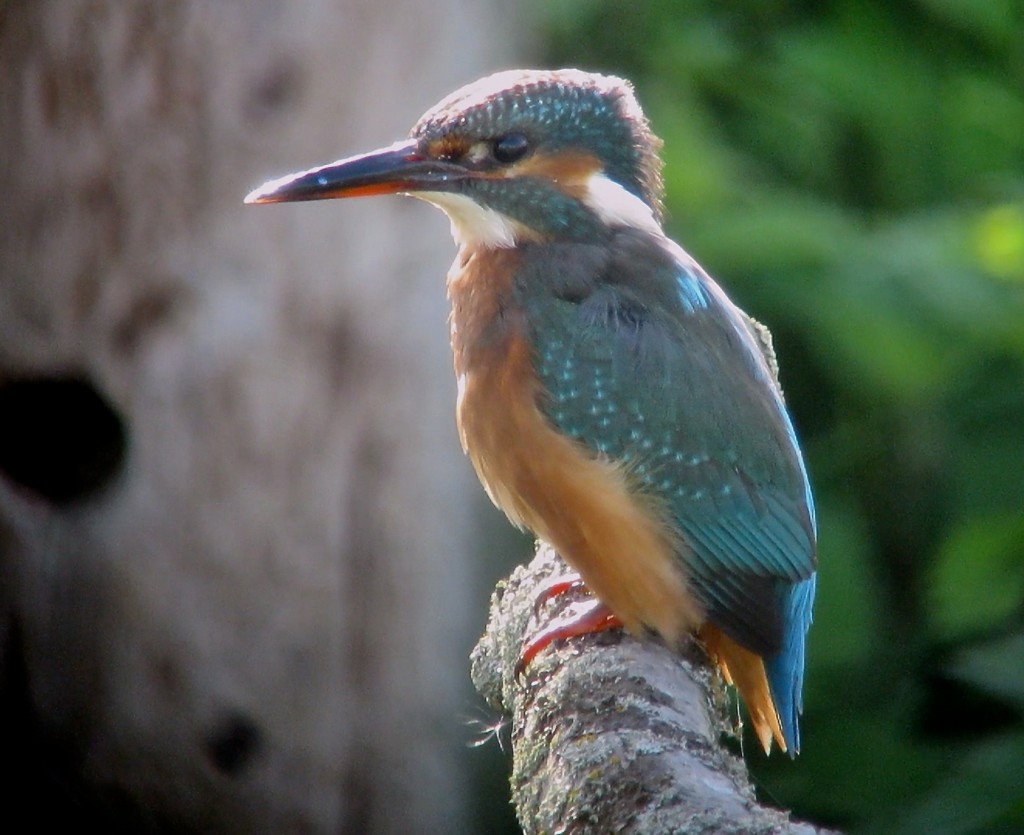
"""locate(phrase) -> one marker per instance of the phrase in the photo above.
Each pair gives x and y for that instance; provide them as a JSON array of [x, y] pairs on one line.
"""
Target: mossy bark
[[611, 733]]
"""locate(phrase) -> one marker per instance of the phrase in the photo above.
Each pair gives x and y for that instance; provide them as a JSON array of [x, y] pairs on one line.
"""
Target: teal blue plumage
[[666, 375]]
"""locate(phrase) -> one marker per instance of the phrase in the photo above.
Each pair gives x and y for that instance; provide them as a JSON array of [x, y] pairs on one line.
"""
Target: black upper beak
[[399, 168]]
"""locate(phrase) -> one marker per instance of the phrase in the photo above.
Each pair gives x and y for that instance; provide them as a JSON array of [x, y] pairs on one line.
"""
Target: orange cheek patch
[[569, 170], [447, 147]]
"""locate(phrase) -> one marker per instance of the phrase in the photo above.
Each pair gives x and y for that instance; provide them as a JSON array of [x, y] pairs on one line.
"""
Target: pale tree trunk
[[234, 520]]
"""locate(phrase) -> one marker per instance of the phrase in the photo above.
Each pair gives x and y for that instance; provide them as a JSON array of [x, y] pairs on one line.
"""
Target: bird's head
[[517, 156]]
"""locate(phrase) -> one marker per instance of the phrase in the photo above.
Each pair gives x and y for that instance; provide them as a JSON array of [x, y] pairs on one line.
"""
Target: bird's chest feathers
[[582, 504], [484, 320], [497, 387]]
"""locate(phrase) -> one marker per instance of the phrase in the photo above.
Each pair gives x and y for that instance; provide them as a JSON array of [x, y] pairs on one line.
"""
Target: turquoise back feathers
[[644, 360]]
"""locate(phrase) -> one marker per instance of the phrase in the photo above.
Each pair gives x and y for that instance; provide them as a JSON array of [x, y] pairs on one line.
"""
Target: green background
[[853, 173]]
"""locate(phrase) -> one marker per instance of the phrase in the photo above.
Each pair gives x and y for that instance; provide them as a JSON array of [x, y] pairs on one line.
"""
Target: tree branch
[[610, 733]]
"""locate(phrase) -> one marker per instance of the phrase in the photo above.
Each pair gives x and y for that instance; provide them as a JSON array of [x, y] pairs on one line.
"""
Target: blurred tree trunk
[[234, 539]]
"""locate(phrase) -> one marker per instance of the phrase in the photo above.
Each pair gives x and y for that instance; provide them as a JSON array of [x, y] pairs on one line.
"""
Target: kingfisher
[[612, 399]]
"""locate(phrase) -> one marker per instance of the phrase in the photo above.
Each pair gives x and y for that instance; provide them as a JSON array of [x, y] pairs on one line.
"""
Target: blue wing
[[664, 373]]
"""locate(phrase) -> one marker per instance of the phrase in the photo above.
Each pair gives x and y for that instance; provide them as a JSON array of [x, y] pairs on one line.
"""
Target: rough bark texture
[[612, 734], [231, 496]]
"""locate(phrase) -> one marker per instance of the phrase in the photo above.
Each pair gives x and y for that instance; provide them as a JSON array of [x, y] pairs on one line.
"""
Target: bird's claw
[[584, 617]]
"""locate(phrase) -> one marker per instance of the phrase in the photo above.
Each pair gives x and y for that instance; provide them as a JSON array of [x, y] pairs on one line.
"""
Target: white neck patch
[[616, 206], [474, 225]]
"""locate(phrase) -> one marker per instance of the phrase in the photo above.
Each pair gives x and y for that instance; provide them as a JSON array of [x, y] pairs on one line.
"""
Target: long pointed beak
[[398, 168]]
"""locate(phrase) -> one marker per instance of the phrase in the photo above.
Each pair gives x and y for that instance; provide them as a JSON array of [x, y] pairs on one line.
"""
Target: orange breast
[[584, 505]]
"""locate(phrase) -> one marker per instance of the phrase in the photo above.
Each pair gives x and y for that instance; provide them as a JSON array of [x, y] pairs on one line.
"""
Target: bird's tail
[[785, 670], [745, 670]]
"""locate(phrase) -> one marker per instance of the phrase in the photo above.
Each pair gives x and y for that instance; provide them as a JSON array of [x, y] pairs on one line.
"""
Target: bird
[[611, 397]]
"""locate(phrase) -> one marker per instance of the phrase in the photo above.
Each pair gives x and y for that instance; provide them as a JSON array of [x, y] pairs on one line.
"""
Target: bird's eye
[[510, 147]]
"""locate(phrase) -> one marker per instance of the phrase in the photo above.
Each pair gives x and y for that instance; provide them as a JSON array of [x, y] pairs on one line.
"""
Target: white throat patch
[[474, 225]]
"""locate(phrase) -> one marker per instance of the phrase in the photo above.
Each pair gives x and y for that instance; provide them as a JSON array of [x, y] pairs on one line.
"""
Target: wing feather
[[683, 393]]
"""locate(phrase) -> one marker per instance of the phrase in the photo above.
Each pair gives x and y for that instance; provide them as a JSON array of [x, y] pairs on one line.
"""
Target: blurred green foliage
[[853, 173]]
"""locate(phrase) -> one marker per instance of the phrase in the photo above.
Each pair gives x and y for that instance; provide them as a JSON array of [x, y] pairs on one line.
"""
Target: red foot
[[583, 618], [557, 586]]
